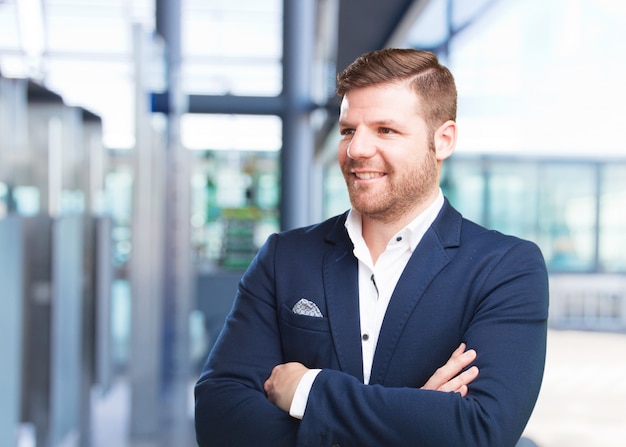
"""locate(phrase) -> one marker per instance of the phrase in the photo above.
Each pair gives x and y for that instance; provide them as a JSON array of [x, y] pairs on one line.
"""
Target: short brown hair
[[432, 82]]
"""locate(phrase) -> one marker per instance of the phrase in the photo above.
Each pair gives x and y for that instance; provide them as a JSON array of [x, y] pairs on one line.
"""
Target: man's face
[[386, 152]]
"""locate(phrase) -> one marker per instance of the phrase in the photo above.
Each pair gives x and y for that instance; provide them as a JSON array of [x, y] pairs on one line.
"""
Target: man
[[339, 331]]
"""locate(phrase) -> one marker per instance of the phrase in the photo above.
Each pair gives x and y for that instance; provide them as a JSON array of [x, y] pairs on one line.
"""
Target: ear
[[445, 140]]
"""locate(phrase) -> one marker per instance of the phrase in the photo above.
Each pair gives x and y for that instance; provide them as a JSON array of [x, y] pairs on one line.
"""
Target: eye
[[346, 131], [386, 130]]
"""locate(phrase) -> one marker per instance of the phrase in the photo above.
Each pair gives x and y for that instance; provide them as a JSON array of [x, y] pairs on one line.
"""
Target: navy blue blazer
[[463, 283]]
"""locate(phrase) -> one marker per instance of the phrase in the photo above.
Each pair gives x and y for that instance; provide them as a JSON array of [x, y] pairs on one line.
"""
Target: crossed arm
[[507, 327], [283, 382]]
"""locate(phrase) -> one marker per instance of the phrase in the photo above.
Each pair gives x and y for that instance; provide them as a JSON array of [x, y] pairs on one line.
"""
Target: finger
[[268, 387], [269, 384], [460, 350], [453, 366], [460, 382], [463, 391], [457, 352], [446, 372], [458, 362]]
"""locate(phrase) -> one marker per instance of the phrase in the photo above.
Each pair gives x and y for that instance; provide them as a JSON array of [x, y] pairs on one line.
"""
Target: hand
[[447, 378], [281, 386]]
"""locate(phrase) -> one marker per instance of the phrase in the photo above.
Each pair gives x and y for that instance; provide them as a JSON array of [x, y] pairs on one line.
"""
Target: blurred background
[[148, 147]]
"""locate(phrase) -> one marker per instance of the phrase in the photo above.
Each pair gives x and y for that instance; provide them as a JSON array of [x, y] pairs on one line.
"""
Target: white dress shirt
[[376, 285]]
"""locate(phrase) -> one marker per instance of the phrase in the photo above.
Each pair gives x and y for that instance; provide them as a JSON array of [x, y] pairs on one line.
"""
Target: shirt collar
[[412, 233]]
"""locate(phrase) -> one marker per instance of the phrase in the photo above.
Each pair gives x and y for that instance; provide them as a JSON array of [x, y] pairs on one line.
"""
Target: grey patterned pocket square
[[306, 307]]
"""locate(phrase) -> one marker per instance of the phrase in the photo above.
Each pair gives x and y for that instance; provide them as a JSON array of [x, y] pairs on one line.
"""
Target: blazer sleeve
[[507, 326], [231, 406]]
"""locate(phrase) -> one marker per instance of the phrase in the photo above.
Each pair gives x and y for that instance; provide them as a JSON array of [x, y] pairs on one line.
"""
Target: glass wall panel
[[612, 235], [512, 198], [567, 215], [553, 203]]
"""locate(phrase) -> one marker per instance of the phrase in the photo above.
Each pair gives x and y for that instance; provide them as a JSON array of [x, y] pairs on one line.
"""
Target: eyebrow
[[378, 123], [384, 123]]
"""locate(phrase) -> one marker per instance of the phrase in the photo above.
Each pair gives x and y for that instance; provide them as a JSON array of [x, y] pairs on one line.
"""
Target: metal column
[[177, 269], [298, 136], [145, 263], [162, 296]]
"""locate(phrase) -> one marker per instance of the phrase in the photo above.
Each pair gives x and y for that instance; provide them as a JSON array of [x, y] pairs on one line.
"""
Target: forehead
[[381, 101]]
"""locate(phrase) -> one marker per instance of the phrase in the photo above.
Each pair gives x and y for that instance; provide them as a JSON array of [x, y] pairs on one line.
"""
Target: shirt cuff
[[300, 398]]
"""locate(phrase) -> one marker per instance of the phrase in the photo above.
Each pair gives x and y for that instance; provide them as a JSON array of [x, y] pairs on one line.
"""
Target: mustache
[[364, 166]]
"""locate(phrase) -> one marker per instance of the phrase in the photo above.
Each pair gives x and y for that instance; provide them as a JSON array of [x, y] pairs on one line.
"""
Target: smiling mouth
[[368, 175]]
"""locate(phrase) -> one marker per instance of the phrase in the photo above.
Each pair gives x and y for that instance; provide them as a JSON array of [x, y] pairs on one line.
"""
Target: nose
[[360, 146]]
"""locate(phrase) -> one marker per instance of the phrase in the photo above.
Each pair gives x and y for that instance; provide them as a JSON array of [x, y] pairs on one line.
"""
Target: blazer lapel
[[342, 296], [429, 258]]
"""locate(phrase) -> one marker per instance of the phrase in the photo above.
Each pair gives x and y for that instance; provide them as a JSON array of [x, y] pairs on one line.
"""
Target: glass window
[[612, 235], [512, 198], [554, 204], [567, 215]]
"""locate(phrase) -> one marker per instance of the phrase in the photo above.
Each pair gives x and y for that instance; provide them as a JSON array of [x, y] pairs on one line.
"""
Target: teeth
[[367, 175]]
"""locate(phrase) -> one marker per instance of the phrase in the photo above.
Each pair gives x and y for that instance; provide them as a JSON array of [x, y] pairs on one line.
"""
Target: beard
[[403, 192]]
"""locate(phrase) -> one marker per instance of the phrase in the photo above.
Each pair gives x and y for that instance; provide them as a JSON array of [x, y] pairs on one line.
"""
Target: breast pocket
[[306, 339]]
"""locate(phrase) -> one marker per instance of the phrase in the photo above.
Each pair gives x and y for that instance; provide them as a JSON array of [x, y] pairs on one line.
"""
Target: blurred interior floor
[[582, 402], [583, 397], [111, 419]]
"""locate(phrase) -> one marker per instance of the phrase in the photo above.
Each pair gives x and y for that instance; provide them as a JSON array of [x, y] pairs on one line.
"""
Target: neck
[[377, 232], [376, 236]]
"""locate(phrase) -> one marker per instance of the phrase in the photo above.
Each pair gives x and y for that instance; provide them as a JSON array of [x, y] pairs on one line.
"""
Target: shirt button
[[399, 238], [365, 337]]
